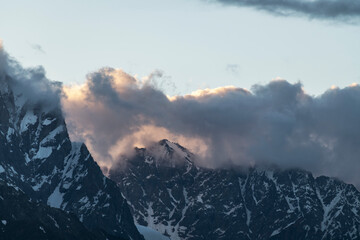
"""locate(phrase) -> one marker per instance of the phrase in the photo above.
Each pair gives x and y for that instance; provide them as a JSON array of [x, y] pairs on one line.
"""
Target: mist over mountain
[[273, 124], [241, 171]]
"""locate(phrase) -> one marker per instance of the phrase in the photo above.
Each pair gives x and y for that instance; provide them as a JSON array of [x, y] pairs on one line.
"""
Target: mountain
[[38, 158], [170, 193], [21, 218]]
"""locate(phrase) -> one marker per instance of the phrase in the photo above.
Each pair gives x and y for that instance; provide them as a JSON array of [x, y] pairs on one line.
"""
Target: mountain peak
[[171, 154]]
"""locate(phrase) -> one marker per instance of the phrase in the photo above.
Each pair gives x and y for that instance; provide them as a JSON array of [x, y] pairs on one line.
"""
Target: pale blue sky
[[193, 42]]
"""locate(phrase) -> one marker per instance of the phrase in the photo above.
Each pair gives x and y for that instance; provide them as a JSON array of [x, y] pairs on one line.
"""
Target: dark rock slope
[[168, 192], [22, 219]]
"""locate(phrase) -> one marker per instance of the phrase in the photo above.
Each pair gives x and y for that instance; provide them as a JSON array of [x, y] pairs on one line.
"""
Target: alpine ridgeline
[[38, 158], [168, 192]]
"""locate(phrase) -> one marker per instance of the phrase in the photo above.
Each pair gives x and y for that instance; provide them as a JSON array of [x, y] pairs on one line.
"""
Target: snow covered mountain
[[38, 158], [168, 192]]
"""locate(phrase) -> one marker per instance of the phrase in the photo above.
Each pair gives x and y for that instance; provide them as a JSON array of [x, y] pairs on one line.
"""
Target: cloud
[[319, 9], [277, 123], [30, 83]]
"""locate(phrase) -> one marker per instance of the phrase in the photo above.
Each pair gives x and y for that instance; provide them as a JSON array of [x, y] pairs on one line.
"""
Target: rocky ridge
[[185, 201]]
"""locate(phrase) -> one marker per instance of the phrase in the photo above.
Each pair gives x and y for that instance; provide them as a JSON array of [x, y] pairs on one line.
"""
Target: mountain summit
[[166, 153], [185, 201]]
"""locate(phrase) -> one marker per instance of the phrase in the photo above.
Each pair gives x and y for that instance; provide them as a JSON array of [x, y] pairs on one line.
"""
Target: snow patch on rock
[[150, 234], [29, 119]]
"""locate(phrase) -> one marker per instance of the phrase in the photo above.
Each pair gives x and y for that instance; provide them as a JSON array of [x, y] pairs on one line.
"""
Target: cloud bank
[[319, 9], [277, 123]]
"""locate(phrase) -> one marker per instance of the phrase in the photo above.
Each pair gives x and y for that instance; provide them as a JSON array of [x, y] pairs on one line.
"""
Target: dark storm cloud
[[31, 83], [277, 123], [321, 9]]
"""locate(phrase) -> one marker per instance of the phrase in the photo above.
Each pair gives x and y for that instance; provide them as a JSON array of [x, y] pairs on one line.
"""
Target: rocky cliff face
[[37, 157], [168, 192]]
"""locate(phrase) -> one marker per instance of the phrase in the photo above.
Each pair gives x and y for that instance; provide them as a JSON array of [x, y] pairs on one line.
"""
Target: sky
[[238, 82], [196, 44]]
